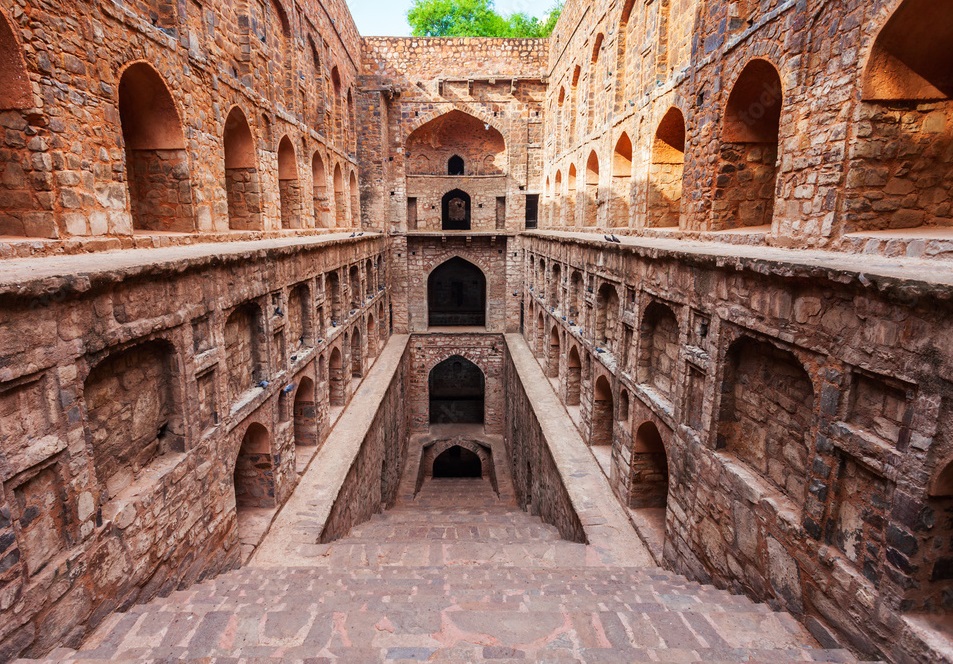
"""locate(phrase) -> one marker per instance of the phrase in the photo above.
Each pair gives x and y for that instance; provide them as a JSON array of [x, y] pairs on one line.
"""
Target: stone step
[[457, 576], [475, 613]]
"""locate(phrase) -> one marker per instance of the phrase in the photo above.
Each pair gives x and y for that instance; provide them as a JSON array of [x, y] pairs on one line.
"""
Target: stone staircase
[[456, 576]]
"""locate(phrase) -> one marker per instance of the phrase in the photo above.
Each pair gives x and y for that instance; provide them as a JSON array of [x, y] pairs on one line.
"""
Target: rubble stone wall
[[802, 419], [123, 412]]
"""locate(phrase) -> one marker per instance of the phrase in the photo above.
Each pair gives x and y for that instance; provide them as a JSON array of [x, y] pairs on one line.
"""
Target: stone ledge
[[302, 519], [901, 277], [66, 275], [604, 521]]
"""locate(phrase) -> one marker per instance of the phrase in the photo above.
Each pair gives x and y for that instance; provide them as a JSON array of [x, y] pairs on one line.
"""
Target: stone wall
[[801, 419], [374, 476], [416, 85], [536, 478], [124, 411], [65, 172], [808, 138]]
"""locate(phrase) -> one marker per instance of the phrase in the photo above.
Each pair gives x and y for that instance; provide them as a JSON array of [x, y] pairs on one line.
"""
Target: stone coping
[[78, 273], [902, 277], [298, 527], [603, 519]]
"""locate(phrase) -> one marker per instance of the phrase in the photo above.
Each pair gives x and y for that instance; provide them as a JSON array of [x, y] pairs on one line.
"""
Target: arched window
[[457, 388], [456, 294], [456, 211], [455, 165]]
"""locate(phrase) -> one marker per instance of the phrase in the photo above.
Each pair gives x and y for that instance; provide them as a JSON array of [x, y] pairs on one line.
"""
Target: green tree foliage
[[476, 18]]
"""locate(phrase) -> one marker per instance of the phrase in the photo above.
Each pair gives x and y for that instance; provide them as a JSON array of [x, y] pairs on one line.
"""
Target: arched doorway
[[648, 483], [455, 165], [456, 294], [456, 211], [457, 462], [242, 184], [254, 470], [305, 414], [157, 163], [457, 390]]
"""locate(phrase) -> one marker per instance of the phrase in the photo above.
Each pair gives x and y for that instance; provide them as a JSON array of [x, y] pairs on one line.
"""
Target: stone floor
[[456, 575]]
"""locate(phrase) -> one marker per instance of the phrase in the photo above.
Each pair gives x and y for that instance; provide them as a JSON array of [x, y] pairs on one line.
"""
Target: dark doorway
[[456, 295], [457, 388], [456, 211], [457, 462], [455, 165]]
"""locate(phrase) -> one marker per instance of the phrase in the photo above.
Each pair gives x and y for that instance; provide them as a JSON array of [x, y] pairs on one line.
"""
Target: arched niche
[[748, 163], [242, 181], [289, 187], [666, 171], [157, 163]]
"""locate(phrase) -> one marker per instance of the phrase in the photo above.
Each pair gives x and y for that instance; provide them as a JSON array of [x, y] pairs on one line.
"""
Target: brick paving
[[456, 575]]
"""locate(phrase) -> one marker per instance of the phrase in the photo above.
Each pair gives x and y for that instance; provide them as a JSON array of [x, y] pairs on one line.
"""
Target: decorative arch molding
[[469, 109], [434, 262]]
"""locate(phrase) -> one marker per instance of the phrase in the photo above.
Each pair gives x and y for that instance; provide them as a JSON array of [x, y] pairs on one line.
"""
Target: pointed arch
[[603, 413], [591, 213], [748, 165], [354, 210], [456, 388], [289, 188], [340, 198], [305, 414], [456, 294], [451, 136], [666, 171], [242, 182], [319, 192], [157, 163], [621, 181]]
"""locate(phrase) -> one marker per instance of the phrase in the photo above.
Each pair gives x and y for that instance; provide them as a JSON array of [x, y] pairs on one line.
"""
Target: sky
[[388, 18]]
